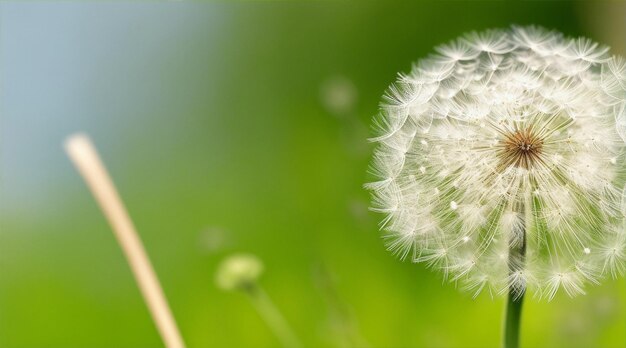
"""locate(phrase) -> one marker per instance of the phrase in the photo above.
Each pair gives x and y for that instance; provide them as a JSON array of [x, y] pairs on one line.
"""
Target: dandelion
[[241, 272], [238, 272], [501, 162]]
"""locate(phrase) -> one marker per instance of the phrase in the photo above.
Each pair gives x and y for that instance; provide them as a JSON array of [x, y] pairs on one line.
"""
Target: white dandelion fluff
[[501, 162]]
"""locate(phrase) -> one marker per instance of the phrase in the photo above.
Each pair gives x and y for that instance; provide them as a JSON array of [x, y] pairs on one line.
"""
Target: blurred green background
[[238, 127]]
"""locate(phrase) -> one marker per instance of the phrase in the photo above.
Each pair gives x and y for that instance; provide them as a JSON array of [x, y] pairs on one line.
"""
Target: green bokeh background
[[220, 125]]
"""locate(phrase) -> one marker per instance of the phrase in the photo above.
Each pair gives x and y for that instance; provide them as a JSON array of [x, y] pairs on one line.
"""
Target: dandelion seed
[[453, 205], [338, 95], [514, 141]]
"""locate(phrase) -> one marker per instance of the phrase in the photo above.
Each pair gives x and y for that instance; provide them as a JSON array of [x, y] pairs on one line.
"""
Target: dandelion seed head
[[238, 272], [502, 138]]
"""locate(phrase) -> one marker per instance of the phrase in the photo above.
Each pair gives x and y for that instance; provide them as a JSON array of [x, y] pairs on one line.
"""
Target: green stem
[[272, 317], [513, 320], [517, 260]]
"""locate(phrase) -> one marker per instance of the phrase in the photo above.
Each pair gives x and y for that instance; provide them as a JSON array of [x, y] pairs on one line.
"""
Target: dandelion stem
[[513, 316], [517, 285], [272, 317]]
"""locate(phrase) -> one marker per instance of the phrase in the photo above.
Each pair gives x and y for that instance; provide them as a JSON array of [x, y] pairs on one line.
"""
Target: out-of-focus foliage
[[233, 128]]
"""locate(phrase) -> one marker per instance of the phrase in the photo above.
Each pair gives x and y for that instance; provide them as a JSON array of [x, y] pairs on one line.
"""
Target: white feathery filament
[[501, 139]]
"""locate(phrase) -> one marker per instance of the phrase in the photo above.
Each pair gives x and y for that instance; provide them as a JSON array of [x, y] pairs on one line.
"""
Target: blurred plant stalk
[[85, 157], [277, 323], [341, 321], [517, 259]]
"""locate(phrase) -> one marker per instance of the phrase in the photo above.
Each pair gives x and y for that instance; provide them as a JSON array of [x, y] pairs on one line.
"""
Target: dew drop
[[453, 206], [587, 251]]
